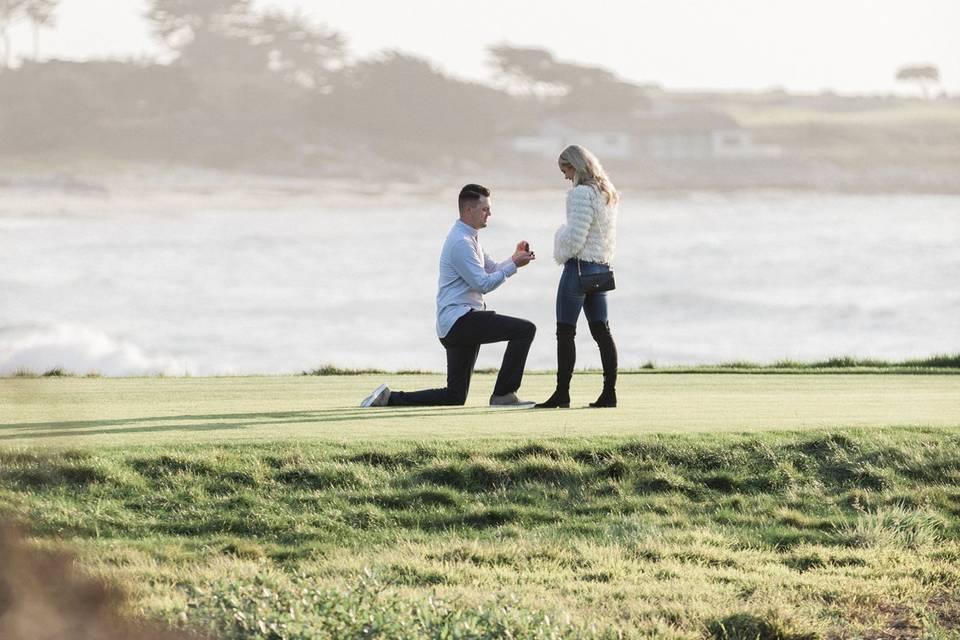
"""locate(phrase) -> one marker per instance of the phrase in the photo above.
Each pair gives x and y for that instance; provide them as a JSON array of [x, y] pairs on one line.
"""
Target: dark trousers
[[463, 345]]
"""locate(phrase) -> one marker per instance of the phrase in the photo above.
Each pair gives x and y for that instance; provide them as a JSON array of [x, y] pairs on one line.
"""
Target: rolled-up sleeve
[[466, 260], [509, 266], [490, 265]]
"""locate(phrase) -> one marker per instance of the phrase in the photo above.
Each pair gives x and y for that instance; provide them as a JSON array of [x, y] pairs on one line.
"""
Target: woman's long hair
[[588, 170]]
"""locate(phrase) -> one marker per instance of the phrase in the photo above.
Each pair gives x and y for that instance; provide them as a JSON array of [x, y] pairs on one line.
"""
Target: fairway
[[122, 411]]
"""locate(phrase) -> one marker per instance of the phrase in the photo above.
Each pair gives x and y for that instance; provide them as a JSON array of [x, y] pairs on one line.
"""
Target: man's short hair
[[471, 193]]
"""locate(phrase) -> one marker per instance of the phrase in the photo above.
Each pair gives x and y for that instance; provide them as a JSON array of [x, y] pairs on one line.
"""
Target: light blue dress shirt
[[466, 273]]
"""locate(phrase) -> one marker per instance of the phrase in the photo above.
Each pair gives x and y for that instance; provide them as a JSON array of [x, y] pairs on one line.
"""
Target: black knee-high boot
[[608, 358], [566, 358]]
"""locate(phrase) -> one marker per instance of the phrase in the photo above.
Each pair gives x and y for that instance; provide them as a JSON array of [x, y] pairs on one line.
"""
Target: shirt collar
[[465, 227]]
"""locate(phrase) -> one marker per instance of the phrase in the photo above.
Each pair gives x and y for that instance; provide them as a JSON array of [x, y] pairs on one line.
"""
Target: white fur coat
[[591, 230]]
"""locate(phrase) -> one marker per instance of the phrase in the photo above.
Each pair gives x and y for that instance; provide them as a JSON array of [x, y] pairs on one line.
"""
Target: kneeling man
[[463, 321]]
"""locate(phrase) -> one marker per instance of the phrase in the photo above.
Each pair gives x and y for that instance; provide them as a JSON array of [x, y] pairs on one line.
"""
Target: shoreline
[[151, 199], [64, 190]]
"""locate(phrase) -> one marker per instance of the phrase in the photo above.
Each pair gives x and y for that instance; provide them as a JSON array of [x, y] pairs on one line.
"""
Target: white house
[[679, 133], [555, 135]]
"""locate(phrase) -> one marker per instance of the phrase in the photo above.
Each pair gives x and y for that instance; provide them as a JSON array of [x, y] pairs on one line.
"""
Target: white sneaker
[[510, 400], [379, 398]]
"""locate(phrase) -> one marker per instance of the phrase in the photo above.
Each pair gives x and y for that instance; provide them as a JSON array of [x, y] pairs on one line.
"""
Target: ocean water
[[702, 278]]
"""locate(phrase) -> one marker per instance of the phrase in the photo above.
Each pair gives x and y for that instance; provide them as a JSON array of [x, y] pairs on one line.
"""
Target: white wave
[[79, 349]]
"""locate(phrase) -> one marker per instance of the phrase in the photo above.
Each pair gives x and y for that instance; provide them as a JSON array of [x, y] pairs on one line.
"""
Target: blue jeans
[[570, 299]]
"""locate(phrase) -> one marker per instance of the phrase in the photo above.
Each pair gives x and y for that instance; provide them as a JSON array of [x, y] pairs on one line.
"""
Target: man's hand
[[523, 255]]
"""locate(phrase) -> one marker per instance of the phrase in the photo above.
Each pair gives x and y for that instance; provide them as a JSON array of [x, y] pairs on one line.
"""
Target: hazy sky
[[806, 45]]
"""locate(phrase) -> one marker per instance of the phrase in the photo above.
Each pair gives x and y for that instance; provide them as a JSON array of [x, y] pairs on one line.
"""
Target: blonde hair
[[588, 170]]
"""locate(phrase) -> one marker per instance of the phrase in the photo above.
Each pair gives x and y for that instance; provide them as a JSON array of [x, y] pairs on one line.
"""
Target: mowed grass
[[92, 412], [919, 113], [730, 506]]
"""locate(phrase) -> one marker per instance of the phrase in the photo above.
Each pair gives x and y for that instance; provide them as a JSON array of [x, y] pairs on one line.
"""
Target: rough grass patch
[[409, 575], [321, 477], [643, 449], [242, 478], [262, 608], [330, 369], [722, 482], [594, 457], [66, 476], [826, 444], [532, 450], [781, 537], [165, 466], [705, 557], [498, 516], [476, 556], [476, 474], [547, 471], [291, 459], [893, 527], [58, 372], [418, 498], [573, 530], [51, 475], [661, 481], [376, 458], [598, 576], [804, 561], [245, 549], [859, 474], [366, 516], [781, 477], [800, 520], [616, 468], [938, 467], [748, 626], [811, 558]]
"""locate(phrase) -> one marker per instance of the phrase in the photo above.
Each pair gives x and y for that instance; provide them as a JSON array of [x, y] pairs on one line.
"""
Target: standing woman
[[587, 240]]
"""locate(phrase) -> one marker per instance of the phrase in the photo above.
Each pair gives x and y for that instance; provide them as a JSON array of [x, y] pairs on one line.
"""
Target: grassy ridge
[[941, 363], [944, 363], [776, 535]]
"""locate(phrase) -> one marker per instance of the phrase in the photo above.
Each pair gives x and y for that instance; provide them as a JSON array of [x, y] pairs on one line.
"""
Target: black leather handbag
[[597, 282]]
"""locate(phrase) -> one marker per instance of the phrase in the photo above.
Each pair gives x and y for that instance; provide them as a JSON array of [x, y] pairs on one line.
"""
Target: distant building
[[695, 133], [664, 133], [554, 135]]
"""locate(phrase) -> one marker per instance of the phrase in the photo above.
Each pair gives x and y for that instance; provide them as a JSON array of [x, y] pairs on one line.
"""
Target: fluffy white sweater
[[591, 230]]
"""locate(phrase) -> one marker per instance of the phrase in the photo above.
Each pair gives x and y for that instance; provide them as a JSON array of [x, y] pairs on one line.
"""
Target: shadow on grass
[[62, 428]]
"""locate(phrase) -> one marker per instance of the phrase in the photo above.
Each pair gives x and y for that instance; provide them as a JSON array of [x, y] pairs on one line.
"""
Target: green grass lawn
[[94, 412], [725, 506], [932, 113]]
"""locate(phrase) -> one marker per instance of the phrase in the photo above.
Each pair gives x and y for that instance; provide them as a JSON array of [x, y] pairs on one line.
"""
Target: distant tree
[[10, 12], [229, 36], [207, 33], [41, 14], [923, 75], [77, 99], [527, 70], [301, 51], [177, 22], [402, 102], [536, 71]]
